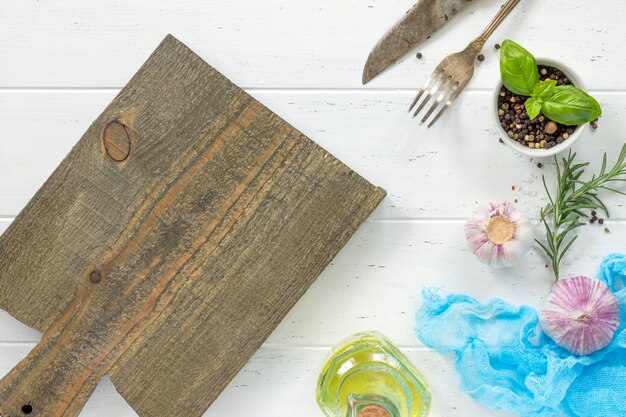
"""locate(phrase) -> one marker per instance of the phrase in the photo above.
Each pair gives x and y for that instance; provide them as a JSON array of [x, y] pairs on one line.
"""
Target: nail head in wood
[[95, 277], [116, 141]]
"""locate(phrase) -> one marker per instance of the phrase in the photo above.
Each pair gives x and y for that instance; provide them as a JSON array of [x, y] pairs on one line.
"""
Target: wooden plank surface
[[370, 129], [169, 243], [307, 68], [288, 43], [267, 391], [375, 281]]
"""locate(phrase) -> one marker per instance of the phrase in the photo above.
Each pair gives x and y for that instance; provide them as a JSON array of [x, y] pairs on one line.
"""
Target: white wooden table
[[62, 61]]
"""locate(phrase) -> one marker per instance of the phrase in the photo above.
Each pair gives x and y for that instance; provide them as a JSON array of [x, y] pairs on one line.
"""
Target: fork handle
[[497, 20]]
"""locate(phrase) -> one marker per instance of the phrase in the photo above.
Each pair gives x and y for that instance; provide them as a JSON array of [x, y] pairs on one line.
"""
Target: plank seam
[[268, 346], [269, 90], [415, 220]]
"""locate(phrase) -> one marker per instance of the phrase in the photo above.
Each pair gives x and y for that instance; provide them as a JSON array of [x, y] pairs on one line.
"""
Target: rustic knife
[[419, 23]]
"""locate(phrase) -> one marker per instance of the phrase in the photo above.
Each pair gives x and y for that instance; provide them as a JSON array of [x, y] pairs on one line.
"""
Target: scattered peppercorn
[[601, 221], [497, 46], [481, 57], [501, 141], [539, 165], [593, 213], [419, 55], [592, 220]]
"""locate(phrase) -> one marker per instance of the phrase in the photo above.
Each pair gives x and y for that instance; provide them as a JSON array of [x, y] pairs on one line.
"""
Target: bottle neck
[[373, 410], [371, 406]]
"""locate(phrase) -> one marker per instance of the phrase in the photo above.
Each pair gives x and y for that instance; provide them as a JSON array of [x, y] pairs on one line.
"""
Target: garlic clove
[[498, 234], [581, 315]]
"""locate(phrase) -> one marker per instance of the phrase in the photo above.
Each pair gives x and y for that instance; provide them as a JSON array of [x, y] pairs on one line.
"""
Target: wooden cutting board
[[169, 243]]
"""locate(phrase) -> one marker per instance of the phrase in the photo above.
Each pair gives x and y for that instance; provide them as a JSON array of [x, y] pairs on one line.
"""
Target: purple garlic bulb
[[581, 315]]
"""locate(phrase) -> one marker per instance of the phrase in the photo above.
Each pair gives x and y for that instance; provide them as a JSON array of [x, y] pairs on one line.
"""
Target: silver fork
[[455, 71]]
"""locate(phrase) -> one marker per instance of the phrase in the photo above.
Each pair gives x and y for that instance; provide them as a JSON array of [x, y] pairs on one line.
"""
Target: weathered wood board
[[169, 243]]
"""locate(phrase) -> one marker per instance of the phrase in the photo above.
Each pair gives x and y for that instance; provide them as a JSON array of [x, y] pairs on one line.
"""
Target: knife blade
[[419, 23]]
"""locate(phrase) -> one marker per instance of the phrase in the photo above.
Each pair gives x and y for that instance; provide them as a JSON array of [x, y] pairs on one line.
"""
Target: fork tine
[[419, 94], [440, 80], [457, 90], [445, 89]]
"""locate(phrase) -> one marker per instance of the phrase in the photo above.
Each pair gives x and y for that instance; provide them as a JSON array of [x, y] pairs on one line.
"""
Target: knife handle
[[504, 11]]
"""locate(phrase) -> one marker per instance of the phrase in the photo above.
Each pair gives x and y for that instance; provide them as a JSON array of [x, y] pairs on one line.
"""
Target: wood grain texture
[[165, 260]]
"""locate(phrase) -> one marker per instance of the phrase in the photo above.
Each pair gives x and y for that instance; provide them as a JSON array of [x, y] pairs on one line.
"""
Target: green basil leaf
[[543, 90], [533, 108], [518, 68], [571, 106]]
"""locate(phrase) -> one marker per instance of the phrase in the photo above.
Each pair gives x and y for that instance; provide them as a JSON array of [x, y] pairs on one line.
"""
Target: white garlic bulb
[[498, 235]]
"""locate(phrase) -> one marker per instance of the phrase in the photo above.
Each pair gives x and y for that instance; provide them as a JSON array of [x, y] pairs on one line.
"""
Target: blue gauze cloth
[[506, 362]]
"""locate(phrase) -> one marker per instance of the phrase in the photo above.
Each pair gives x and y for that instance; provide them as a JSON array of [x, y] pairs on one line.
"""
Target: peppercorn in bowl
[[538, 136]]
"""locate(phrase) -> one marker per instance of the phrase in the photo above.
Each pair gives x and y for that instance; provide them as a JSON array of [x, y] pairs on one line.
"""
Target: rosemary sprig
[[572, 196]]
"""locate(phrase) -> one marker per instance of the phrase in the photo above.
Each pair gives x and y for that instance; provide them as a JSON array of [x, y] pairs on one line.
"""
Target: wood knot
[[116, 141]]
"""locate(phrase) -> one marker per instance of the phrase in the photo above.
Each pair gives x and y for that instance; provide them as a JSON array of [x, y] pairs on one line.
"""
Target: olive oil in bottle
[[367, 376]]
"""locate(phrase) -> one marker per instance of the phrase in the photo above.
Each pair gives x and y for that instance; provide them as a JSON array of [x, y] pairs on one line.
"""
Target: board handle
[[57, 377]]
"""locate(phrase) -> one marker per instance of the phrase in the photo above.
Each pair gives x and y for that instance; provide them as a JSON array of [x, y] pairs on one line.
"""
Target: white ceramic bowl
[[539, 153]]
